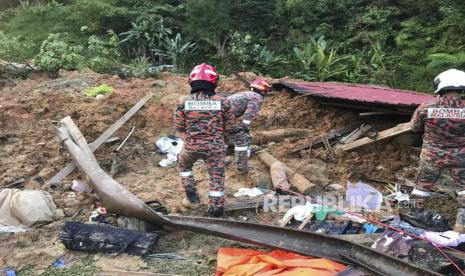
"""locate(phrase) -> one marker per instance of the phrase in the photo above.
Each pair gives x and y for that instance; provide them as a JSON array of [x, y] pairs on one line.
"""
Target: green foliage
[[9, 48], [139, 67], [103, 54], [178, 52], [146, 39], [56, 54], [317, 62], [98, 90], [402, 44]]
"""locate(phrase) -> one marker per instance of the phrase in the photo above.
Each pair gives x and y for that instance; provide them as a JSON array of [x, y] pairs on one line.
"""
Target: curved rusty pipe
[[120, 201]]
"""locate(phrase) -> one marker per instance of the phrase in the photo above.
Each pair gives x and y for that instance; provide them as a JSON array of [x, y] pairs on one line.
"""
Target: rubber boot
[[192, 200], [459, 226], [215, 211]]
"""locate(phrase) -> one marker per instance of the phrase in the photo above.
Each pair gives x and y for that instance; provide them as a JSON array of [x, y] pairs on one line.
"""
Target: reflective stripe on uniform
[[216, 193], [246, 122], [241, 148], [185, 174]]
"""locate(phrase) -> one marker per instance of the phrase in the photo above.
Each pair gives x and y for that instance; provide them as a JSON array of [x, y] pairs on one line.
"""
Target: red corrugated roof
[[360, 93]]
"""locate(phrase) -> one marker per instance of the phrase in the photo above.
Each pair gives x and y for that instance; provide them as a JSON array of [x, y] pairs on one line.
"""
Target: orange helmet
[[204, 72], [261, 85]]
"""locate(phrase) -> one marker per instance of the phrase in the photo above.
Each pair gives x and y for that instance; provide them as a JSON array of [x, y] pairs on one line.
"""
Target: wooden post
[[276, 135], [297, 180]]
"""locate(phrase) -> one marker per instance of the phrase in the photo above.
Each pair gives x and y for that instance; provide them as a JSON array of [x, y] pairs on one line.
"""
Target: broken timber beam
[[317, 141], [70, 167], [120, 201], [276, 135], [385, 134], [296, 179]]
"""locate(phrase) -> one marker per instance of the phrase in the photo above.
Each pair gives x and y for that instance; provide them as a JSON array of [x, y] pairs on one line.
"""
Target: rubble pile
[[359, 193]]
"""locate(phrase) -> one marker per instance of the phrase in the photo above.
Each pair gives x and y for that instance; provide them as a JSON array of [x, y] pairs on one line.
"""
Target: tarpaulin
[[26, 208], [242, 262]]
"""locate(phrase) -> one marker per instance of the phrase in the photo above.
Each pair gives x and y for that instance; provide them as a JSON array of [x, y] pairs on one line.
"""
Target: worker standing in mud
[[201, 119], [246, 106], [443, 124]]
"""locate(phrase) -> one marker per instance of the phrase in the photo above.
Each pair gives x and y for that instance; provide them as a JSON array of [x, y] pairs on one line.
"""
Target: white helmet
[[451, 79]]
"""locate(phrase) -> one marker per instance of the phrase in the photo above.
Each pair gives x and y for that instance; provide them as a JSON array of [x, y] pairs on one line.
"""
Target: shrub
[[55, 54], [103, 54], [140, 67]]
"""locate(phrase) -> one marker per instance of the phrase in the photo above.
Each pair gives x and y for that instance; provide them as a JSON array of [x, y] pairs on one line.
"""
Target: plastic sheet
[[107, 239], [242, 262], [171, 146]]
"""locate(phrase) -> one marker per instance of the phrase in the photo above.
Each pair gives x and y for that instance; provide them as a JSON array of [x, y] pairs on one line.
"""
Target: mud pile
[[30, 150]]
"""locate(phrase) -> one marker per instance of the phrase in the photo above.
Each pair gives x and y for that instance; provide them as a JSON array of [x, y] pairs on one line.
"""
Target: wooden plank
[[385, 134], [277, 135], [401, 111], [317, 141], [361, 131], [70, 167]]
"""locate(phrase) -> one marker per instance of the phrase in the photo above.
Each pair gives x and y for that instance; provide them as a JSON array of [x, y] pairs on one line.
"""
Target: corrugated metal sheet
[[360, 93]]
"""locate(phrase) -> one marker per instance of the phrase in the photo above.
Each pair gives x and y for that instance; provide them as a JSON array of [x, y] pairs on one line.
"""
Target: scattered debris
[[171, 146], [107, 239], [118, 200], [250, 192], [299, 213], [125, 139], [317, 141], [426, 220], [394, 243], [69, 168], [27, 208], [388, 133], [362, 195], [448, 238], [79, 186], [297, 180]]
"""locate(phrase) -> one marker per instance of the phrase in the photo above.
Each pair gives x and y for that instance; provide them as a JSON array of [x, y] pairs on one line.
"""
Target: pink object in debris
[[361, 93]]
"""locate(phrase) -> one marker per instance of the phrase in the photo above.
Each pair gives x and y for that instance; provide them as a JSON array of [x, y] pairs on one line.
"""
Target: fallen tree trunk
[[385, 134], [118, 200], [276, 135], [296, 180]]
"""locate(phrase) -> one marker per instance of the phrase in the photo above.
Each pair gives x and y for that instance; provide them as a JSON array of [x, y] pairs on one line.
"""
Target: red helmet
[[261, 85], [204, 72]]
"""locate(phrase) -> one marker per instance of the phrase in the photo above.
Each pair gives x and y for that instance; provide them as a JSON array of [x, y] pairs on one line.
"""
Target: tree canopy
[[402, 44]]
